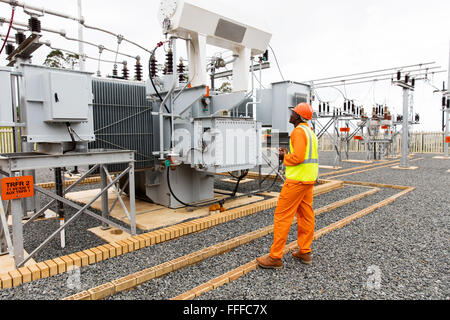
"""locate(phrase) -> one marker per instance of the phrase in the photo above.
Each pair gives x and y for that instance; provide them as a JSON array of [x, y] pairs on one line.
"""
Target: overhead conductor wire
[[9, 29]]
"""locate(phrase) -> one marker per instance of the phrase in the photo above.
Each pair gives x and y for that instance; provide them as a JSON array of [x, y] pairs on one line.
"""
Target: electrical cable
[[9, 29], [151, 78], [240, 178], [74, 144], [276, 60], [186, 204]]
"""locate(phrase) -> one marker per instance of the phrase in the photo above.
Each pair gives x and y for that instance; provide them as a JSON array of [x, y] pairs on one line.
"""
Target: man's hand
[[282, 153]]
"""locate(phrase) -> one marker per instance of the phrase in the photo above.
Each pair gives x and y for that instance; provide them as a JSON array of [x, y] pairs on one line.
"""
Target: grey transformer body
[[202, 147]]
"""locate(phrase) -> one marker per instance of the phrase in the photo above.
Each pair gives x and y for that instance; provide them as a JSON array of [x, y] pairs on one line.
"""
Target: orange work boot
[[267, 262], [304, 258]]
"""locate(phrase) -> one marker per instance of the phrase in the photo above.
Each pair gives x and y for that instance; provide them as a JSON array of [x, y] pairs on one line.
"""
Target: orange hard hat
[[304, 110]]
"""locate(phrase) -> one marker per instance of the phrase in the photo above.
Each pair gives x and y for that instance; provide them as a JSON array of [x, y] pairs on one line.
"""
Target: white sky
[[312, 39]]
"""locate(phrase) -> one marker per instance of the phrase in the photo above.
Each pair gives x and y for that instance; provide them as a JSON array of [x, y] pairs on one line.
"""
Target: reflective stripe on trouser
[[295, 199]]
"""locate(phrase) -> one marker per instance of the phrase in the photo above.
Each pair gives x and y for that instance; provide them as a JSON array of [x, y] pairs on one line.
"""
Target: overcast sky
[[312, 39]]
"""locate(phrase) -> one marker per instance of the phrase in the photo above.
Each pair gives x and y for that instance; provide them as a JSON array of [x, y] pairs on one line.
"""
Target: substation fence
[[6, 140], [419, 142]]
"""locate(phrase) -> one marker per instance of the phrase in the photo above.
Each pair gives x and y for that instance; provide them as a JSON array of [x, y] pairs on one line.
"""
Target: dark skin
[[295, 119]]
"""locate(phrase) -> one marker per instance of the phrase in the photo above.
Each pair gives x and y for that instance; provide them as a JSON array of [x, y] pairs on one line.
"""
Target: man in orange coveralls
[[296, 197]]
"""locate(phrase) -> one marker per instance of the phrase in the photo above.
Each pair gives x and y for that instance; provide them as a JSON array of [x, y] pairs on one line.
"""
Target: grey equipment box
[[6, 108], [52, 98], [66, 97]]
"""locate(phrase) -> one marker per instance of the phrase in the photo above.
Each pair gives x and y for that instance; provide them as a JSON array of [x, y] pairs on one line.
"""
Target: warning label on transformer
[[17, 188]]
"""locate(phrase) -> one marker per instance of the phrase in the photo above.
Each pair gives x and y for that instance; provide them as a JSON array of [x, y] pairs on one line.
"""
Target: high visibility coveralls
[[296, 197]]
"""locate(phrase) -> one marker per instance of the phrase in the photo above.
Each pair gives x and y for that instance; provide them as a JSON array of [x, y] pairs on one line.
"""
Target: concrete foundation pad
[[7, 263], [405, 168], [48, 214], [111, 235], [329, 167], [231, 180], [358, 161], [442, 157]]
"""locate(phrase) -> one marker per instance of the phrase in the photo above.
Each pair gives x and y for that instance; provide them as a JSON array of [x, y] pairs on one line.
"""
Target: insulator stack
[[153, 68], [125, 72], [417, 117], [115, 72], [180, 70], [34, 24], [138, 70], [9, 49], [320, 108], [169, 62], [328, 108], [20, 37], [444, 101], [448, 103], [399, 75]]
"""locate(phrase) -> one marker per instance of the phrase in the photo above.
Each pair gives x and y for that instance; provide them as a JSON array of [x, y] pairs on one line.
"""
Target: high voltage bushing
[[169, 62], [153, 67], [125, 72], [448, 103], [9, 49], [138, 70], [180, 70], [444, 101], [399, 76], [115, 74], [34, 24], [328, 107], [20, 38]]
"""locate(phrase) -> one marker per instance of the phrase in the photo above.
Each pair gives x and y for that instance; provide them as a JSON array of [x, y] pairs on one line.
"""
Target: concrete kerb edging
[[90, 256], [252, 265], [127, 283]]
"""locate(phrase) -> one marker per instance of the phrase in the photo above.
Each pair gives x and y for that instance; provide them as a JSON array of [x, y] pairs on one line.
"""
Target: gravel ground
[[403, 245], [398, 252], [111, 269]]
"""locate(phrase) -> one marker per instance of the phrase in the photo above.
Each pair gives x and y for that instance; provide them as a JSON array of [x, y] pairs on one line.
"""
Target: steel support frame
[[447, 130], [15, 163]]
